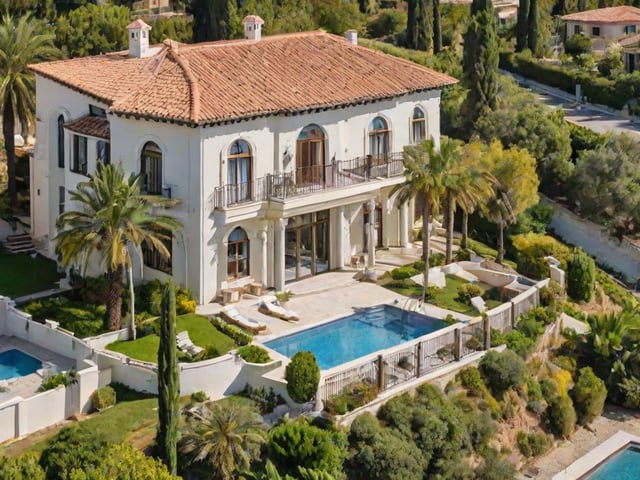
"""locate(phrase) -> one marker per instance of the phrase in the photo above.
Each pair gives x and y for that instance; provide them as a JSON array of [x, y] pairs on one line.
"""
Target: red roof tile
[[216, 82], [90, 125], [138, 24], [629, 41], [611, 15]]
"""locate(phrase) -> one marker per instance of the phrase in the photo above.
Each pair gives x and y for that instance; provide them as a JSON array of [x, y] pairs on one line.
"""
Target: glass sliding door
[[307, 246]]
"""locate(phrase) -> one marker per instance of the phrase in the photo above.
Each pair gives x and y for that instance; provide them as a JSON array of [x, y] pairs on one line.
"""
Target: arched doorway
[[237, 254], [151, 169], [310, 156], [379, 143]]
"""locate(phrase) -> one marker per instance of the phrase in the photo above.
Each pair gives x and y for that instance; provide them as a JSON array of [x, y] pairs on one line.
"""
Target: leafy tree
[[299, 444], [480, 61], [581, 276], [389, 21], [176, 28], [533, 26], [337, 16], [93, 30], [25, 467], [168, 383], [22, 42], [124, 462], [419, 24], [561, 416], [503, 370], [589, 394], [577, 45], [516, 187], [224, 439], [112, 218], [522, 27], [41, 9], [427, 172], [495, 467], [75, 447], [303, 376]]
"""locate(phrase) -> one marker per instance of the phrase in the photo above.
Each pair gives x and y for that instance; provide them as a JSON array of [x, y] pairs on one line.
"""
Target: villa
[[603, 25], [279, 153]]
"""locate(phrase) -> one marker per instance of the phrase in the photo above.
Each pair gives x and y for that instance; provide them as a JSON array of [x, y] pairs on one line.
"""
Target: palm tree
[[224, 437], [608, 333], [21, 44], [113, 220], [469, 184], [427, 174]]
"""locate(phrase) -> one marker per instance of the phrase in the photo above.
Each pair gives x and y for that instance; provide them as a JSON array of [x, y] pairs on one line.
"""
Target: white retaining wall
[[99, 342]]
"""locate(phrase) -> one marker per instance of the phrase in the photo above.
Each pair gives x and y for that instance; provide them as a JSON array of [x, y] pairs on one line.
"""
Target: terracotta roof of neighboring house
[[90, 125], [612, 15], [217, 82], [630, 41]]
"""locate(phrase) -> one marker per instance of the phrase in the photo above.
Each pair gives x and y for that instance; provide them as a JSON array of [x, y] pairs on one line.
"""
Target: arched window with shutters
[[379, 134], [151, 169], [238, 254], [239, 160], [418, 125], [61, 141]]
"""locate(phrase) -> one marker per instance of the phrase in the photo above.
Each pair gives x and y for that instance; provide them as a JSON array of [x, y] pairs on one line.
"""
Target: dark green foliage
[[533, 444], [522, 26], [616, 293], [266, 401], [583, 138], [436, 260], [254, 354], [240, 336], [560, 416], [462, 255], [149, 298], [54, 381], [495, 467], [589, 394], [534, 219], [351, 398], [25, 467], [437, 29], [199, 396], [550, 293], [514, 340], [480, 61], [212, 19], [533, 27], [176, 28], [402, 273], [503, 370], [419, 24], [470, 379], [467, 291], [581, 277], [566, 363], [577, 45], [103, 398], [389, 21], [74, 447], [82, 319], [168, 384], [298, 444], [549, 388], [303, 376], [364, 429], [630, 388]]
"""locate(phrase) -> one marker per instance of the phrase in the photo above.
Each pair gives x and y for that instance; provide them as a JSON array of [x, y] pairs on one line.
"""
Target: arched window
[[238, 254], [418, 125], [310, 155], [61, 141], [379, 138], [151, 169], [239, 177]]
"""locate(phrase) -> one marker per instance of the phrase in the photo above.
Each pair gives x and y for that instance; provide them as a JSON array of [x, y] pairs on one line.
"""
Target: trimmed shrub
[[199, 396], [254, 354], [103, 398], [530, 250], [403, 273], [467, 291], [503, 370], [238, 335], [533, 444], [560, 416], [437, 260], [589, 394], [303, 376], [581, 276]]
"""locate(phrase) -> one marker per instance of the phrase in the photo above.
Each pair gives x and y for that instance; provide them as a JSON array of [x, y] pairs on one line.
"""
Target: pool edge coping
[[595, 457], [38, 371]]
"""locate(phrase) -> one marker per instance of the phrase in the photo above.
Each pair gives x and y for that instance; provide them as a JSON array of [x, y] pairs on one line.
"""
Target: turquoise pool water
[[364, 332], [625, 465], [14, 363]]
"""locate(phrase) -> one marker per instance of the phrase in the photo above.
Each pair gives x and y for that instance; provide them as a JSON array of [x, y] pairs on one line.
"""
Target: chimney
[[139, 39], [352, 37], [252, 27]]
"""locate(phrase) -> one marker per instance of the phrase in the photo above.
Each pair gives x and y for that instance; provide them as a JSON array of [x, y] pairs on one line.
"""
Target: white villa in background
[[281, 151], [603, 26]]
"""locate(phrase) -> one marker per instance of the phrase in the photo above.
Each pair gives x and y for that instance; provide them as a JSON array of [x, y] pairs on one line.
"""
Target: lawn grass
[[22, 275], [201, 332], [486, 251]]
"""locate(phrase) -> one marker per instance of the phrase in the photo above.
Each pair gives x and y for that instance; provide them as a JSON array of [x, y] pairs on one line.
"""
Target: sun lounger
[[186, 345], [478, 303], [269, 305], [232, 315]]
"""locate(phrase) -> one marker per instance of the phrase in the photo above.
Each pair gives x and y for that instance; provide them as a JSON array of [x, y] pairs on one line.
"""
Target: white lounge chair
[[478, 302], [269, 305], [186, 345], [232, 315]]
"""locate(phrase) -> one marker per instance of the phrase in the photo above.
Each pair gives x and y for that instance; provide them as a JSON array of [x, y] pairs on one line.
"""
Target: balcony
[[308, 180]]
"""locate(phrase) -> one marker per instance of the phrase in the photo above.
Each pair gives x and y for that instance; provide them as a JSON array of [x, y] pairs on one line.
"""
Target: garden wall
[[99, 342], [594, 239]]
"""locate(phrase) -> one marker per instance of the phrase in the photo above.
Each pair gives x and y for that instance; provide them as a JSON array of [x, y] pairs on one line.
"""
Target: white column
[[404, 225], [262, 238], [339, 240], [371, 243], [279, 249]]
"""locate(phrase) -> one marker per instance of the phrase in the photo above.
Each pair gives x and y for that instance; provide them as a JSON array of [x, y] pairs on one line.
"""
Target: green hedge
[[236, 333]]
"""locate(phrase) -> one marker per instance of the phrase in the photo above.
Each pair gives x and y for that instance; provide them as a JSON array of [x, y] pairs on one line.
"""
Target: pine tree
[[533, 26], [168, 383], [480, 61], [437, 30], [522, 27]]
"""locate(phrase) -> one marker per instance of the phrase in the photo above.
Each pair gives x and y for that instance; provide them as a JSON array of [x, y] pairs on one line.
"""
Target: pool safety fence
[[426, 354]]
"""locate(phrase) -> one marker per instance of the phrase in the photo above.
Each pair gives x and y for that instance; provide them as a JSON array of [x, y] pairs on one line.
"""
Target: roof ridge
[[194, 89], [242, 41]]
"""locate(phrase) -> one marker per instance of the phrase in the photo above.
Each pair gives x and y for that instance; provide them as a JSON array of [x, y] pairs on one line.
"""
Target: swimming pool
[[14, 363], [366, 331], [624, 465]]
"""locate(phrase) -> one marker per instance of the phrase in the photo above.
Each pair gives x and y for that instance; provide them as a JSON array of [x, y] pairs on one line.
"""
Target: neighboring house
[[506, 10], [603, 25], [281, 152], [631, 52]]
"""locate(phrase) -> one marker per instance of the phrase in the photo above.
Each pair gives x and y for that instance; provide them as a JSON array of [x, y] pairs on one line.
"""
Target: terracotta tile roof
[[252, 19], [138, 24], [226, 81], [90, 125], [612, 15], [630, 41]]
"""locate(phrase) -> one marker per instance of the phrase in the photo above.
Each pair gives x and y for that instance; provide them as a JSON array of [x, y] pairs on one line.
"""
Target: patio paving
[[28, 385]]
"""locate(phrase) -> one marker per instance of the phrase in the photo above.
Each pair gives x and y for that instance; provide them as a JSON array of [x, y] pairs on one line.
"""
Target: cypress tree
[[168, 383], [419, 24], [411, 23], [437, 30], [533, 26], [522, 26], [480, 61], [212, 19]]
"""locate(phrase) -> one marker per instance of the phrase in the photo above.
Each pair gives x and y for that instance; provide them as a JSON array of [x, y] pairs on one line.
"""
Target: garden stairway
[[19, 243]]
